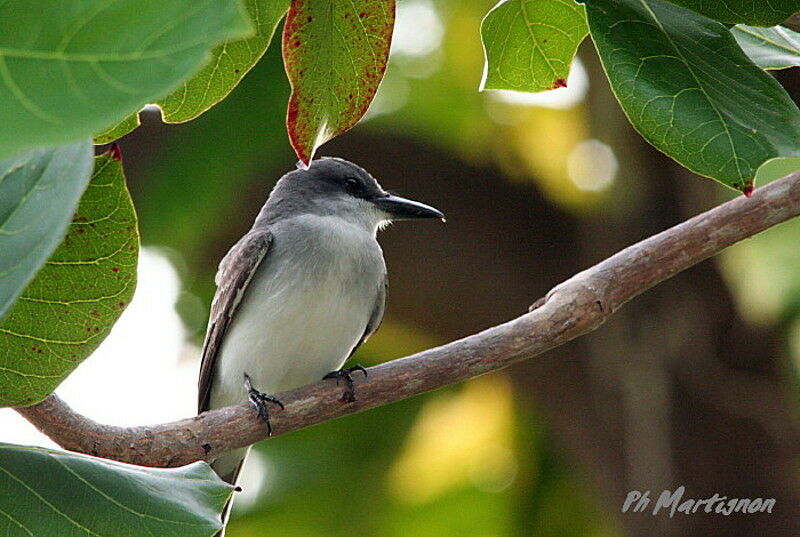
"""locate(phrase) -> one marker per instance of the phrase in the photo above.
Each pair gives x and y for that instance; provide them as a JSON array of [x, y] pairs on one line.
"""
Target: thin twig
[[573, 308]]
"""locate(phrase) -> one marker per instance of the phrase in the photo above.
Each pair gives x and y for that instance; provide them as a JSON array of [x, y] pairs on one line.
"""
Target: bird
[[299, 292]]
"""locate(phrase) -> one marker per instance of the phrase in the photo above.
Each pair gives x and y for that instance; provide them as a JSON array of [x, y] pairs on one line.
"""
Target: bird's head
[[335, 187]]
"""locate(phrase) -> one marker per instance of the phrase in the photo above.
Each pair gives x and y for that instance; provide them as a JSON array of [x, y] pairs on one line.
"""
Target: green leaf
[[39, 191], [769, 48], [118, 130], [335, 55], [229, 63], [529, 44], [688, 88], [52, 493], [758, 13], [69, 308], [70, 69]]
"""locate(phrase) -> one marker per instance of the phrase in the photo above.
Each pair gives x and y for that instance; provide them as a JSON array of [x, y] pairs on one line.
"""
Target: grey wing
[[376, 317], [235, 272]]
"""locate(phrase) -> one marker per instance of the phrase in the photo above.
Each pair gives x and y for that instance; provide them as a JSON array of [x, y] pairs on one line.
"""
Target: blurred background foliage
[[693, 384]]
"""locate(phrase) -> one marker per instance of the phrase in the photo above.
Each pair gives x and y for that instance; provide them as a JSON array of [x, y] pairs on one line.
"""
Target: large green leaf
[[335, 55], [529, 44], [69, 308], [756, 12], [70, 69], [229, 63], [688, 88], [769, 48], [38, 194], [48, 493]]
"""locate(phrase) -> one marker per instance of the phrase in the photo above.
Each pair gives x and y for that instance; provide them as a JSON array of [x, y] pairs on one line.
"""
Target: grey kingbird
[[300, 291]]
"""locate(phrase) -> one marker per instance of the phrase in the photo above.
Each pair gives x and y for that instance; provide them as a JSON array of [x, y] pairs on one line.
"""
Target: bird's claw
[[349, 395], [260, 401]]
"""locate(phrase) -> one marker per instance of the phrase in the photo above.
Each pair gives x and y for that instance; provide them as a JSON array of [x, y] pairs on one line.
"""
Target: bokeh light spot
[[418, 30], [592, 165]]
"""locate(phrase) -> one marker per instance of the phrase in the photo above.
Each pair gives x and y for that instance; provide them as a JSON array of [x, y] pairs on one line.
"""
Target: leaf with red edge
[[335, 54]]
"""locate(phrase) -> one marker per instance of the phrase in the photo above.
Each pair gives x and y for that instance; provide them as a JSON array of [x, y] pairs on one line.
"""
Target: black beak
[[404, 209]]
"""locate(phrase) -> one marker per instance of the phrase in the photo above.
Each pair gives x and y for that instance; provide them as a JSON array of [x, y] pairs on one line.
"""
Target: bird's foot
[[260, 401], [349, 396]]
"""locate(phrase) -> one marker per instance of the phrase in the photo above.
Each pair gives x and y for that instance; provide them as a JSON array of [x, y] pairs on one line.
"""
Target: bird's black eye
[[351, 184]]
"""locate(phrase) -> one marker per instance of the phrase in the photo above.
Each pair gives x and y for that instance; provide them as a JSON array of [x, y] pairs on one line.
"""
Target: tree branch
[[573, 308]]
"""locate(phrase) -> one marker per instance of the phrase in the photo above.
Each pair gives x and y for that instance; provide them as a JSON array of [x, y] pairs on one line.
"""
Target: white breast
[[304, 311]]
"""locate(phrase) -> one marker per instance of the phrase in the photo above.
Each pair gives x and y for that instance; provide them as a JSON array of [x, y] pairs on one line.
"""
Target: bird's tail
[[228, 466]]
